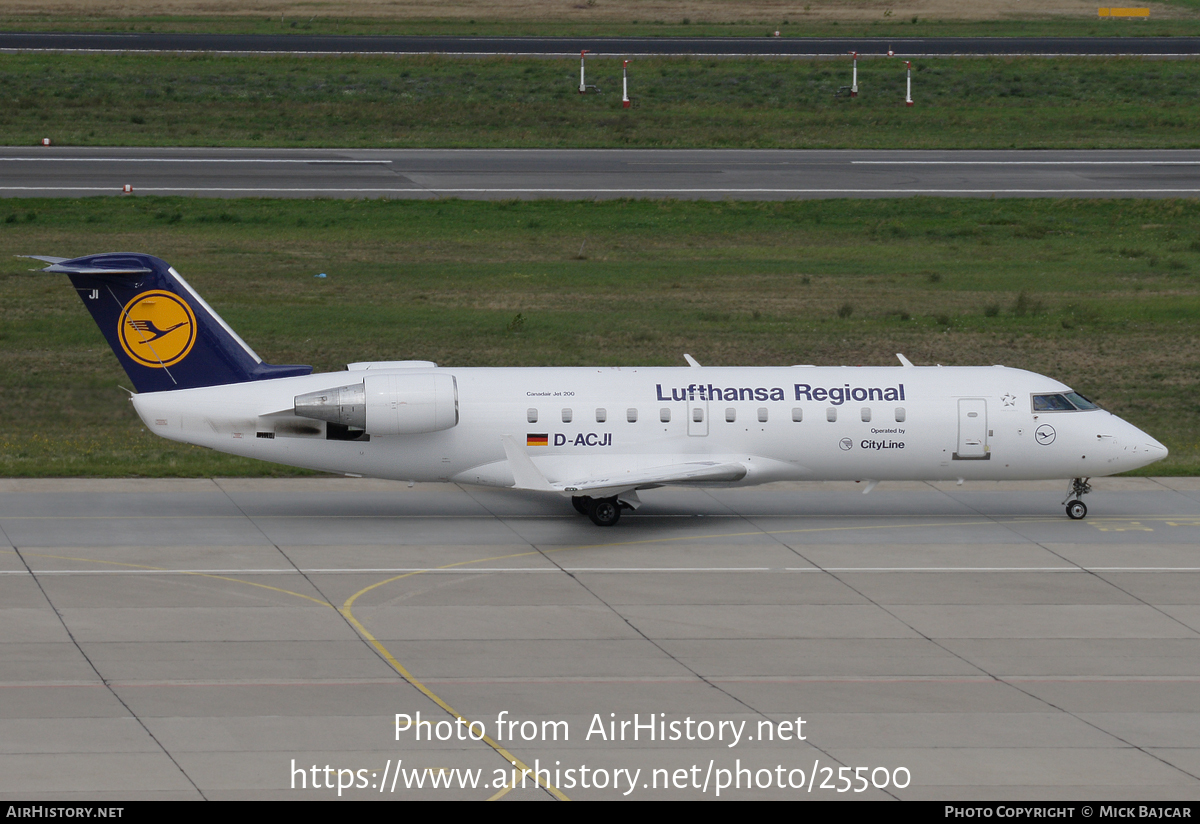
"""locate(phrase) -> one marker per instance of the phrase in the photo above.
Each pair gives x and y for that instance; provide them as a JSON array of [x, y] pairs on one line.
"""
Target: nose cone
[[1140, 449], [1154, 448]]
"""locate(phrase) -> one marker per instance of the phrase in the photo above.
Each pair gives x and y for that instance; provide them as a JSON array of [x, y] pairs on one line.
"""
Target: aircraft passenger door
[[972, 430], [697, 415]]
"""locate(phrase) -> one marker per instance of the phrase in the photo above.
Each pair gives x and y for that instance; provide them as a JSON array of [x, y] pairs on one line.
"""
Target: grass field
[[1179, 18], [204, 100], [1102, 295]]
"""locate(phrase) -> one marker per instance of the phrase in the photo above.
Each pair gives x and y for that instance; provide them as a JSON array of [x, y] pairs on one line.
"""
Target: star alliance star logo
[[1009, 399]]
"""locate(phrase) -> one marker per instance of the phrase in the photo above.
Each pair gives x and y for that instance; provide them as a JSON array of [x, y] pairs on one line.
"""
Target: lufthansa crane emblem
[[157, 329]]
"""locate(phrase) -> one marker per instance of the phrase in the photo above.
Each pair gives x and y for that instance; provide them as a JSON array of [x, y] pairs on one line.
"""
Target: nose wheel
[[1077, 509]]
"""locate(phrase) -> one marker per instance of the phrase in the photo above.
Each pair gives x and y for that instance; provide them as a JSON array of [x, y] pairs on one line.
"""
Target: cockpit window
[[1052, 403], [1081, 402]]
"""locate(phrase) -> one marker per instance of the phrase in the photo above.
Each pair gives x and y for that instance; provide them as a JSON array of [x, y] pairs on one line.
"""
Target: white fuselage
[[780, 423]]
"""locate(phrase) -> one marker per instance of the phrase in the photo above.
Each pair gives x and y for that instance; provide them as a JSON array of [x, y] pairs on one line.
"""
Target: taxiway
[[206, 638]]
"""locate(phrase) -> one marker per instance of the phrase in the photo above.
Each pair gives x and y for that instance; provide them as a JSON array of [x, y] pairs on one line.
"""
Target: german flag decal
[[537, 440]]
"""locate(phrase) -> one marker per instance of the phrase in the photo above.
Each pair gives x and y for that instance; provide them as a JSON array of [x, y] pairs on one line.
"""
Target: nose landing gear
[[1077, 509]]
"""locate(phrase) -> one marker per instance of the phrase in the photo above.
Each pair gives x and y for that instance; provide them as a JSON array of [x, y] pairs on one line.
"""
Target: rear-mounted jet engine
[[387, 404]]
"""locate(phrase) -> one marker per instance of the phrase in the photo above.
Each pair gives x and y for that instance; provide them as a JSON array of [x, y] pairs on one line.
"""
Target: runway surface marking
[[310, 161], [1021, 162], [202, 574], [982, 680], [598, 54], [459, 567], [219, 573], [592, 191], [346, 612], [316, 160], [1100, 522]]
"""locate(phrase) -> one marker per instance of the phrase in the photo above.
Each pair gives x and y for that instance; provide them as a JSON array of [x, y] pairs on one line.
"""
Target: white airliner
[[595, 435]]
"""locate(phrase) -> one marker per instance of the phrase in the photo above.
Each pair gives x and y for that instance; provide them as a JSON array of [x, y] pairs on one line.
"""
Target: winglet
[[525, 474], [903, 360], [692, 362]]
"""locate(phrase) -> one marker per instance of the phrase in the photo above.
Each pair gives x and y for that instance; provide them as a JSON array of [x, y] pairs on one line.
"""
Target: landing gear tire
[[604, 511], [1077, 509], [580, 502]]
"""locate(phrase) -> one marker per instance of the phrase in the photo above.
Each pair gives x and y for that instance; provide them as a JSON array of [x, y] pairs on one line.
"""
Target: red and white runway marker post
[[625, 85], [854, 77], [908, 101], [583, 85]]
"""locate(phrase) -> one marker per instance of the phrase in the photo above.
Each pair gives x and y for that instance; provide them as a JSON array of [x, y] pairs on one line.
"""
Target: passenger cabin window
[[631, 415], [762, 414], [730, 415], [698, 414], [900, 415], [566, 416], [531, 415], [664, 415], [866, 414], [601, 415], [831, 414], [797, 414]]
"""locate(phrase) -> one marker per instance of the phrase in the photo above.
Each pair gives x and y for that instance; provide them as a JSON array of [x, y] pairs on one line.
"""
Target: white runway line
[[617, 55], [577, 570], [312, 160], [591, 191], [1025, 162]]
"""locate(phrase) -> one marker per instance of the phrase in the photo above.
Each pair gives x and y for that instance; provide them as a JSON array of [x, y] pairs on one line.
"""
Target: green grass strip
[[1103, 295], [885, 24], [976, 103]]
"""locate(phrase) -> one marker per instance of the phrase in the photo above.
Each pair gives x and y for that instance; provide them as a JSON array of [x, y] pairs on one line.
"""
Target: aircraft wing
[[690, 472], [528, 476]]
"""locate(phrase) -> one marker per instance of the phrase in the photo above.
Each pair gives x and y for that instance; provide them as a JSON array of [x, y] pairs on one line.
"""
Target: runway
[[233, 638], [595, 174], [603, 46]]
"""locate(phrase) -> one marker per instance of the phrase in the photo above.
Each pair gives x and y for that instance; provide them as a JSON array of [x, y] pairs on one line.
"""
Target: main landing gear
[[1077, 509], [602, 511]]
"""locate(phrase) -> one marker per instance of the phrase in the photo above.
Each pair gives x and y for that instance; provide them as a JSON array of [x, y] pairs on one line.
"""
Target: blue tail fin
[[160, 329]]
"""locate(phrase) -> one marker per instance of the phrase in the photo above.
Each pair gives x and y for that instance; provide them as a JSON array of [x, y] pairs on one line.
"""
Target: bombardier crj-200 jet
[[599, 435]]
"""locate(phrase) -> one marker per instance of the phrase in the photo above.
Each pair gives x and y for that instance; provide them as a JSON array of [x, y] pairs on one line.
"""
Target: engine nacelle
[[387, 404]]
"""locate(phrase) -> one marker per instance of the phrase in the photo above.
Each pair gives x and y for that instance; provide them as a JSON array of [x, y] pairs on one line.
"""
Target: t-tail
[[163, 333]]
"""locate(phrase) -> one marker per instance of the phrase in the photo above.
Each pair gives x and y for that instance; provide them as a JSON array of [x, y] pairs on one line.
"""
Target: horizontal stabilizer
[[112, 265]]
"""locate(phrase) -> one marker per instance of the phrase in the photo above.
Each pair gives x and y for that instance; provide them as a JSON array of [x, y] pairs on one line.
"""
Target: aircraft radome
[[595, 435]]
